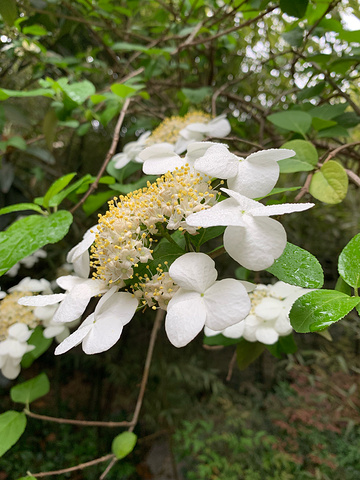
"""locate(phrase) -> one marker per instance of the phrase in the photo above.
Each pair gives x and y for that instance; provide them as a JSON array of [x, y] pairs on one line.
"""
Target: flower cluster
[[122, 245], [269, 315]]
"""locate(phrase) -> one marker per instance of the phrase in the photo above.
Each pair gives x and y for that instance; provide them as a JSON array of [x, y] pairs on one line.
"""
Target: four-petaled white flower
[[218, 127], [251, 238], [130, 152], [201, 300], [13, 349], [102, 329], [162, 158], [254, 176]]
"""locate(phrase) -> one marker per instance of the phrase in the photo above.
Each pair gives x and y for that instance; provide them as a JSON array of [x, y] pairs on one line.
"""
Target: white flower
[[79, 291], [130, 152], [28, 284], [254, 176], [162, 158], [79, 255], [201, 300], [218, 127], [269, 314], [28, 262], [251, 238], [102, 329], [13, 348]]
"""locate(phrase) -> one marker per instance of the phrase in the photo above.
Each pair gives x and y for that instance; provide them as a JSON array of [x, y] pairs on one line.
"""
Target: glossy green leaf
[[298, 267], [12, 426], [342, 286], [122, 91], [56, 187], [8, 11], [20, 207], [293, 120], [330, 183], [40, 343], [295, 8], [78, 92], [248, 352], [28, 234], [319, 309], [31, 390], [123, 444], [349, 262], [305, 159], [205, 234]]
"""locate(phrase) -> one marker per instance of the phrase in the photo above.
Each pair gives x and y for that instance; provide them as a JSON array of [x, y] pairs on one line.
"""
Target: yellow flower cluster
[[11, 312]]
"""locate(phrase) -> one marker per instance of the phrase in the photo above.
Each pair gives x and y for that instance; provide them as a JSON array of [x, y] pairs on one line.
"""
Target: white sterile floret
[[201, 300], [28, 284], [13, 349], [269, 315], [254, 176], [130, 152], [79, 255], [102, 329], [218, 127], [251, 238], [161, 158]]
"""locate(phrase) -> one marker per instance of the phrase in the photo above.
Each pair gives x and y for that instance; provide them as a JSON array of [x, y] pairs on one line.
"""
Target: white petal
[[267, 335], [271, 155], [20, 332], [258, 245], [68, 282], [254, 180], [82, 265], [76, 337], [83, 246], [218, 162], [53, 330], [268, 210], [10, 369], [198, 149], [282, 325], [193, 271], [209, 332], [235, 331], [226, 303], [42, 300], [224, 213], [243, 202], [160, 158], [269, 309], [185, 318], [120, 160]]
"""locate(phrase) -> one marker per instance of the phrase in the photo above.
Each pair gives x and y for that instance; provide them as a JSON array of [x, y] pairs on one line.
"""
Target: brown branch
[[231, 366], [305, 188], [81, 466], [108, 157], [83, 423], [352, 175], [334, 152]]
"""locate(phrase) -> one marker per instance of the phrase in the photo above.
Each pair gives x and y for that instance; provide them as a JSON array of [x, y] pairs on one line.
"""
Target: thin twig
[[83, 423], [334, 152], [108, 157], [352, 175], [81, 466], [231, 366], [305, 188]]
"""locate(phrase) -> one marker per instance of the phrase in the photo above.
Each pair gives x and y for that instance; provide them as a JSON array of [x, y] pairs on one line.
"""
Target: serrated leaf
[[305, 159], [56, 187], [123, 444], [349, 262], [12, 426], [297, 266], [293, 121], [20, 207], [31, 390], [28, 234], [248, 352], [317, 310], [330, 183], [40, 343]]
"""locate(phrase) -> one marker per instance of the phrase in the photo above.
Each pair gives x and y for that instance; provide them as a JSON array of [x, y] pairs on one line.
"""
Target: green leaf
[[220, 340], [321, 124], [293, 120], [79, 91], [28, 234], [38, 92], [35, 30], [125, 188], [298, 267], [284, 345], [41, 345], [16, 142], [123, 173], [122, 91], [349, 262], [311, 92], [328, 111], [97, 98], [123, 444], [330, 183], [248, 352], [294, 37], [56, 187], [197, 95], [97, 201], [317, 310], [342, 286], [8, 11], [335, 131], [295, 8], [31, 390], [20, 207], [27, 478], [49, 127], [12, 426], [205, 234], [306, 157]]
